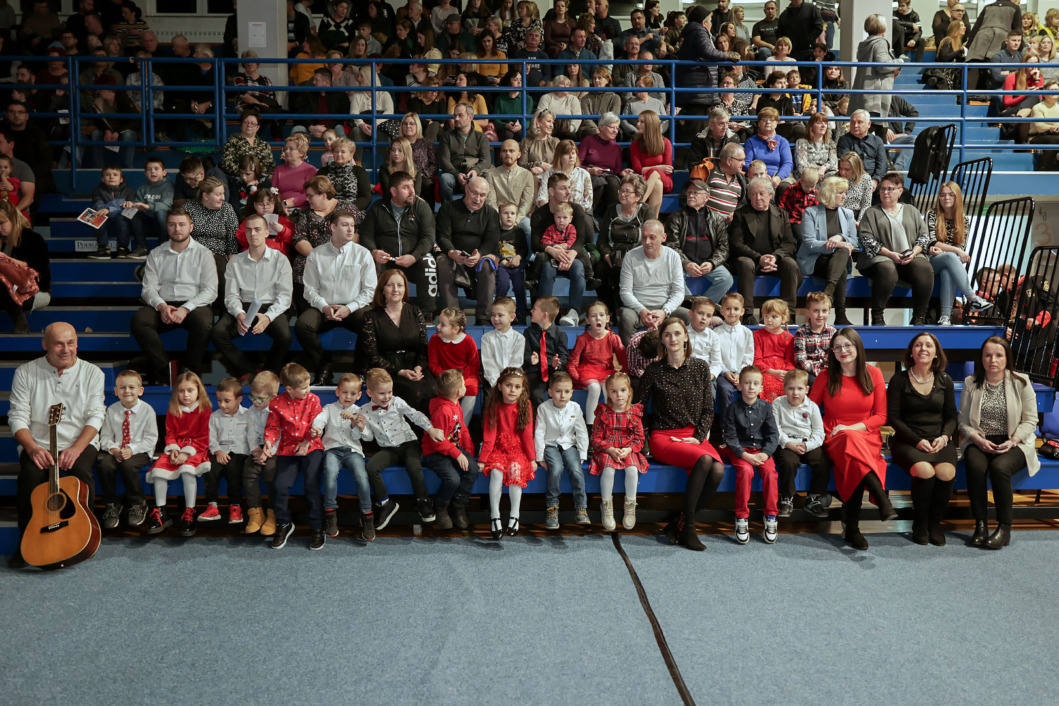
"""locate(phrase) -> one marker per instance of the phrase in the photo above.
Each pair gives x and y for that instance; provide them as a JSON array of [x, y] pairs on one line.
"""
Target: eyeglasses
[[626, 192], [266, 398], [888, 189], [843, 347]]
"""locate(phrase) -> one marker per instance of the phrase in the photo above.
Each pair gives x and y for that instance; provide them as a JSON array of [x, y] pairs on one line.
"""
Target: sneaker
[[367, 526], [139, 254], [785, 506], [187, 522], [581, 516], [944, 321], [425, 506], [607, 515], [814, 506], [628, 520], [101, 253], [979, 304], [459, 516], [158, 521], [551, 519], [384, 513], [268, 529], [111, 516], [771, 529], [570, 319], [210, 514], [256, 519], [235, 515], [137, 513], [279, 540], [442, 520], [742, 530], [316, 542], [122, 254], [330, 523]]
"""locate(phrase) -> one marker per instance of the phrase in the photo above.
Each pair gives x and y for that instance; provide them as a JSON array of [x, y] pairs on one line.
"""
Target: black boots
[[939, 501], [930, 498], [1000, 538], [981, 533]]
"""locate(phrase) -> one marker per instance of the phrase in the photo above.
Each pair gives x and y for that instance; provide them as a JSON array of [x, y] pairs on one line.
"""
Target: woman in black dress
[[395, 338], [921, 407]]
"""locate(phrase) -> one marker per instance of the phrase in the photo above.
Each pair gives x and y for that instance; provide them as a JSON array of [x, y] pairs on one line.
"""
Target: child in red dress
[[508, 455], [452, 349], [186, 453], [774, 348], [593, 358], [617, 442]]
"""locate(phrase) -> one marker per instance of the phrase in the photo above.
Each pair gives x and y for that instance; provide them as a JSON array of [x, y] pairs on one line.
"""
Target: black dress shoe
[[981, 533], [496, 528], [856, 539], [1000, 538], [323, 378]]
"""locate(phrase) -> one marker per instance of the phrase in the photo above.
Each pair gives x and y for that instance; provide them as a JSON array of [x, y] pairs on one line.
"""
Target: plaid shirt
[[794, 201], [810, 349], [637, 363]]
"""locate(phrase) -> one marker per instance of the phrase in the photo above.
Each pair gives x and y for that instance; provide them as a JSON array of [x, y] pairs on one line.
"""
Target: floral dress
[[618, 430], [237, 146]]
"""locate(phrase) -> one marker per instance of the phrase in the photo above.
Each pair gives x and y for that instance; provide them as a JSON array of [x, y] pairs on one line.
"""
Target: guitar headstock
[[55, 414]]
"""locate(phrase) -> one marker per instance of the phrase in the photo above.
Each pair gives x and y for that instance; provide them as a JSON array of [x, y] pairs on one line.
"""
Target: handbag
[[701, 171], [391, 128], [1049, 449], [461, 276]]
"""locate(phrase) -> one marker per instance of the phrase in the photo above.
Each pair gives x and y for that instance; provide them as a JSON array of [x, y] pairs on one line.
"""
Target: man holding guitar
[[57, 378]]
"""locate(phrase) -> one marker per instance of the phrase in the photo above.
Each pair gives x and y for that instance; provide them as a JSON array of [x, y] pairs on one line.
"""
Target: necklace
[[912, 373]]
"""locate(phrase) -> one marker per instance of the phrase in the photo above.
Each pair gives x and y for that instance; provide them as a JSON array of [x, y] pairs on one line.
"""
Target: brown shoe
[[255, 520], [269, 527]]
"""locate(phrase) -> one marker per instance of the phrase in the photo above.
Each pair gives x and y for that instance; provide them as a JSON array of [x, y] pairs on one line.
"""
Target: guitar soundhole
[[56, 502]]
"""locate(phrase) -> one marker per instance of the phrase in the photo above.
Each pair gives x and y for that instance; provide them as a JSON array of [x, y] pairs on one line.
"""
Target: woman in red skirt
[[853, 397], [681, 393]]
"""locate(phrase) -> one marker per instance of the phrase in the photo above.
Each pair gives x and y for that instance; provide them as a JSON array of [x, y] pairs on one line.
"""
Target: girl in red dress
[[508, 455], [592, 360], [452, 349], [853, 397], [774, 348], [617, 442], [264, 202], [652, 158], [186, 454]]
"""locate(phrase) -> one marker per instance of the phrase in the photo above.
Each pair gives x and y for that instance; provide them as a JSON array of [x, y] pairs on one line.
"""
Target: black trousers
[[604, 192], [483, 282], [884, 276], [833, 269], [787, 463], [29, 477], [409, 455], [147, 325], [744, 270], [310, 324], [108, 470], [996, 468], [226, 332], [232, 472]]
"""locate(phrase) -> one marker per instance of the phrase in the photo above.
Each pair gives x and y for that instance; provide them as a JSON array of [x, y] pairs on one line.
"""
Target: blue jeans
[[570, 459], [128, 232], [903, 157], [952, 274], [152, 223], [334, 461], [515, 277], [125, 147], [576, 275], [718, 282], [287, 470], [456, 483], [449, 187], [829, 33]]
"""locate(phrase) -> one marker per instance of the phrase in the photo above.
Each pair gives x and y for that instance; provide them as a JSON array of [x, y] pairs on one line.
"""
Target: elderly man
[[651, 286], [463, 152], [636, 71], [700, 236], [868, 146], [727, 183], [709, 143], [57, 378], [179, 285], [469, 237], [761, 242], [650, 39], [511, 183], [573, 261], [536, 74]]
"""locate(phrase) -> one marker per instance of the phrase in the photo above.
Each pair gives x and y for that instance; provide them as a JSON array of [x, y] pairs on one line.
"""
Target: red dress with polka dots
[[507, 449]]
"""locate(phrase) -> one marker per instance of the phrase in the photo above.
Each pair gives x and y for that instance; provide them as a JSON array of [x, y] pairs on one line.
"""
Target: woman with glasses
[[246, 142], [952, 12]]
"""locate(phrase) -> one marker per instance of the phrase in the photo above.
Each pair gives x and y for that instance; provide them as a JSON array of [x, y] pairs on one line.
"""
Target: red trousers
[[744, 475]]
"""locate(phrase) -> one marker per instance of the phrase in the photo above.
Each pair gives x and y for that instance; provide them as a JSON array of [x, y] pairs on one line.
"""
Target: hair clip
[[273, 190]]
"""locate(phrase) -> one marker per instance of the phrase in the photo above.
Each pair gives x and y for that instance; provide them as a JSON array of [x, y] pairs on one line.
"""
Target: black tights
[[998, 469], [706, 475], [873, 485]]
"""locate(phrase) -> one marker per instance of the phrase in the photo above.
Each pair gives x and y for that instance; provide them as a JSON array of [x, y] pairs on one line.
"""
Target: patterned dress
[[619, 430], [188, 431], [215, 228], [507, 449], [237, 146], [315, 229]]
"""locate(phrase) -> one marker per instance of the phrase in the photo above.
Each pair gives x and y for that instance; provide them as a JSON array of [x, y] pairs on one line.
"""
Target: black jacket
[[416, 237], [741, 240], [698, 46], [459, 229]]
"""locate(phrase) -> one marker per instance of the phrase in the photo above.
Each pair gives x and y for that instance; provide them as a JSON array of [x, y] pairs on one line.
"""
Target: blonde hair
[[776, 306], [418, 122], [349, 378], [817, 298], [406, 147], [376, 377], [455, 316], [265, 381], [188, 376], [616, 379], [449, 383], [650, 140]]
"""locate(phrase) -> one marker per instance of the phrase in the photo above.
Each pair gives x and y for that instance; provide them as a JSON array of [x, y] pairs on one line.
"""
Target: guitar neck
[[53, 443]]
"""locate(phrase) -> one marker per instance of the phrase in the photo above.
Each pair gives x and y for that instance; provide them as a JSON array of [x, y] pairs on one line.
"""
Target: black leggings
[[873, 485], [706, 475], [884, 275], [787, 463], [998, 468]]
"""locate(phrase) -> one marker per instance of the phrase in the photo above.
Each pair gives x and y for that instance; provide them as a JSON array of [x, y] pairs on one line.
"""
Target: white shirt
[[736, 344], [269, 279], [255, 427], [189, 276], [341, 433], [37, 386], [360, 103], [803, 422], [228, 432], [647, 283], [143, 428], [560, 427], [501, 350], [389, 427], [704, 347], [567, 105], [334, 276]]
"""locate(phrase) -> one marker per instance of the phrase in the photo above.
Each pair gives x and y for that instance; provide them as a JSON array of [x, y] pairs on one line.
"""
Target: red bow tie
[[375, 407]]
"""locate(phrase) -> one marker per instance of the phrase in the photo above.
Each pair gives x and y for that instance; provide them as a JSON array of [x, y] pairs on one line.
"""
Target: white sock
[[606, 483], [632, 477], [496, 489], [160, 487], [191, 488], [514, 494], [595, 391], [467, 405]]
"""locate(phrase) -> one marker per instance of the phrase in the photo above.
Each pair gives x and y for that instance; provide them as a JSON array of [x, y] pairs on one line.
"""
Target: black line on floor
[[660, 638]]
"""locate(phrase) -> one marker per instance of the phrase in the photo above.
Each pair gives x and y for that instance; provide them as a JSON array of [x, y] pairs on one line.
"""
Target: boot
[[921, 494], [256, 519], [269, 527], [938, 502], [981, 533], [853, 535], [874, 486], [1000, 538], [606, 509], [690, 538], [460, 518], [442, 521], [673, 531]]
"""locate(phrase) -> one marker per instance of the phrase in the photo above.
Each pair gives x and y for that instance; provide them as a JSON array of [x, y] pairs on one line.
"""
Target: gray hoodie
[[159, 196]]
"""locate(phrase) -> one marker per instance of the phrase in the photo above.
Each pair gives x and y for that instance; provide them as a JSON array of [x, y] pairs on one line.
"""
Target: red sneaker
[[235, 515], [210, 514]]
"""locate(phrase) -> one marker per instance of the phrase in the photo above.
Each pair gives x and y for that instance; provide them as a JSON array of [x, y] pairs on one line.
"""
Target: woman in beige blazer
[[998, 415]]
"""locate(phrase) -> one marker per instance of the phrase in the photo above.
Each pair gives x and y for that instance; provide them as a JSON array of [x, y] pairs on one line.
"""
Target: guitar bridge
[[53, 527]]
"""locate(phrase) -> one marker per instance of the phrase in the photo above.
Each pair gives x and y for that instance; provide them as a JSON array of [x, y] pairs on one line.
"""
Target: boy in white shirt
[[228, 451], [503, 347], [343, 427], [561, 439], [126, 441], [736, 343], [801, 441], [263, 388], [703, 341]]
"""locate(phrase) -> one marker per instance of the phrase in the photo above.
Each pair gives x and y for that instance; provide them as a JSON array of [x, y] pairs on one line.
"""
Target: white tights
[[191, 489], [606, 483], [596, 394], [467, 405], [496, 489]]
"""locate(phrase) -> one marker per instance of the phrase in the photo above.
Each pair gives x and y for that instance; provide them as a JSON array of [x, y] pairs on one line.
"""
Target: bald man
[[511, 183], [468, 233], [58, 377]]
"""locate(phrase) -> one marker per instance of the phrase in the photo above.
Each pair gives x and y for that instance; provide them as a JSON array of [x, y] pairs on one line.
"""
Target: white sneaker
[[742, 530], [944, 321], [772, 529], [628, 520], [570, 319], [607, 512], [979, 304]]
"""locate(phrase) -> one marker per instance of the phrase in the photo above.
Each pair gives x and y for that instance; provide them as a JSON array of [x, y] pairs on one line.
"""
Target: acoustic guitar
[[62, 530]]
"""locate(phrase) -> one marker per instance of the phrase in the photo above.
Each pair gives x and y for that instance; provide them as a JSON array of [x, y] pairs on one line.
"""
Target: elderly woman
[[829, 237], [816, 149], [875, 50], [247, 142], [313, 228], [770, 148], [893, 238], [394, 338], [679, 388], [598, 103], [998, 416], [860, 187], [601, 157], [921, 408], [290, 177], [852, 395], [619, 232], [567, 162]]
